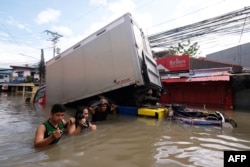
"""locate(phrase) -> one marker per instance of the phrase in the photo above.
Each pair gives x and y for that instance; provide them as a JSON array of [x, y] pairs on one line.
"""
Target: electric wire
[[233, 24]]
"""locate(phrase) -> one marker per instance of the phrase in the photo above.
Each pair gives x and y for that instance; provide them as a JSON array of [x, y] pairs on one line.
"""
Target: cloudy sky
[[23, 24]]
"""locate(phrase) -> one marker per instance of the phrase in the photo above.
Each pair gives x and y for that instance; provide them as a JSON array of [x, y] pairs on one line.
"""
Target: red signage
[[173, 63]]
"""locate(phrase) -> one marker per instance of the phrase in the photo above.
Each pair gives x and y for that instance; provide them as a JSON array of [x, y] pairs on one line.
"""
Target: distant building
[[236, 55], [20, 73], [5, 75]]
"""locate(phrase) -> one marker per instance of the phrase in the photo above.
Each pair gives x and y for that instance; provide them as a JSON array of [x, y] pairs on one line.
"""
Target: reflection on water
[[121, 141]]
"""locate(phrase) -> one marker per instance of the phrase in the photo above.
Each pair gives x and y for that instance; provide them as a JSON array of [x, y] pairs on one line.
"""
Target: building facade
[[236, 55], [199, 82], [20, 73]]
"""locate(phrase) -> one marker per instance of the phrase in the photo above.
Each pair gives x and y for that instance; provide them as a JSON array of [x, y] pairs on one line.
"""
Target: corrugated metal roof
[[198, 79]]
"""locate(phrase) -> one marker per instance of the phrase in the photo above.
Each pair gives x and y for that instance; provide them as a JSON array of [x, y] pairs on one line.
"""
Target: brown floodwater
[[124, 141]]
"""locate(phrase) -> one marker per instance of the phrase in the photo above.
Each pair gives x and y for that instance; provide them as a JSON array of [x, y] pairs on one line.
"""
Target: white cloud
[[4, 35], [66, 43], [63, 30], [48, 15], [165, 14], [98, 2], [117, 9], [122, 6], [13, 22], [188, 13], [144, 20], [18, 54]]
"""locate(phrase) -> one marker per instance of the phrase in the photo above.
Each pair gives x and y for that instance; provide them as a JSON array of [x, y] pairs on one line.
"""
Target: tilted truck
[[115, 62]]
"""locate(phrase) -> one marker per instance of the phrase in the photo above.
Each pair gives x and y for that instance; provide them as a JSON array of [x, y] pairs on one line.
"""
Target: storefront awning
[[198, 79]]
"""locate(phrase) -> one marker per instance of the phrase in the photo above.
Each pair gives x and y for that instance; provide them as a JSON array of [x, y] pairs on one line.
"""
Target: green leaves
[[186, 48]]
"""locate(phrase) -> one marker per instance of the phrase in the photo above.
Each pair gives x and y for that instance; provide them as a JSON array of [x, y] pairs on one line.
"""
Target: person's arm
[[152, 98], [64, 122], [92, 109], [72, 129], [40, 141], [113, 107], [65, 125], [92, 126]]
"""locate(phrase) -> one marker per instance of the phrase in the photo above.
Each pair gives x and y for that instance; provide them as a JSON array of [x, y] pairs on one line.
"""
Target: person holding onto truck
[[80, 121], [50, 132], [100, 112], [149, 98]]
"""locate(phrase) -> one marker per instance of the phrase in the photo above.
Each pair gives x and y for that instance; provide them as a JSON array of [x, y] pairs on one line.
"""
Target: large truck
[[115, 62]]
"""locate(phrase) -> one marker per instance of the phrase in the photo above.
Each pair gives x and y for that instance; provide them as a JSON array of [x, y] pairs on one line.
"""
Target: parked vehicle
[[115, 62], [40, 96]]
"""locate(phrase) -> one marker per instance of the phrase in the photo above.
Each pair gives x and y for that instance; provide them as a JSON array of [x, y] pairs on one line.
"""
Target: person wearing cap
[[100, 112]]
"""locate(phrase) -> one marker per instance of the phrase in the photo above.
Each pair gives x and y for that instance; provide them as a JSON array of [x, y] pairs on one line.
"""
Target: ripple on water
[[3, 157], [187, 154], [65, 162], [78, 154], [221, 143], [122, 141]]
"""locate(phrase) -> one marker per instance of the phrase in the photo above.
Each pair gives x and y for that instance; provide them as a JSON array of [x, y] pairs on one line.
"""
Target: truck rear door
[[148, 64]]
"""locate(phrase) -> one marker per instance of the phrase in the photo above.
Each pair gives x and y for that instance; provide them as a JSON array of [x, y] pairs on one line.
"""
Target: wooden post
[[23, 91]]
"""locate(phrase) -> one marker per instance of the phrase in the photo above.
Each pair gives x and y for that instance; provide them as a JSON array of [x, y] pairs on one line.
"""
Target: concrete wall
[[207, 64], [235, 55], [241, 89]]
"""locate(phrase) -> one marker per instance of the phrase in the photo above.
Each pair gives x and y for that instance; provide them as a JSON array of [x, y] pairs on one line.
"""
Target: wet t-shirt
[[99, 116]]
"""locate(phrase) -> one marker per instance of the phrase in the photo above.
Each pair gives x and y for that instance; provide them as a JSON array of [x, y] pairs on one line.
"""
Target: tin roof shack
[[198, 82]]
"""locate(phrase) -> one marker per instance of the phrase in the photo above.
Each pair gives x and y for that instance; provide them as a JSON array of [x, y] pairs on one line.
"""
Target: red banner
[[173, 63]]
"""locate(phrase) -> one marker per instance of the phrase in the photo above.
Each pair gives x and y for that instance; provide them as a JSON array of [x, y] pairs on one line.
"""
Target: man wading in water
[[50, 132]]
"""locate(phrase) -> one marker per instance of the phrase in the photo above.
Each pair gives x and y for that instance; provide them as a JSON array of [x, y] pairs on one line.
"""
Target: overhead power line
[[196, 11], [234, 23], [54, 39]]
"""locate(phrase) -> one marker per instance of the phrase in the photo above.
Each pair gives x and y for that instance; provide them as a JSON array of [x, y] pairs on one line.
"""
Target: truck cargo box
[[115, 61]]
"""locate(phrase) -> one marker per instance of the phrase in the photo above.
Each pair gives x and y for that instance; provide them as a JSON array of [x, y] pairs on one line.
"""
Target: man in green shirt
[[50, 131]]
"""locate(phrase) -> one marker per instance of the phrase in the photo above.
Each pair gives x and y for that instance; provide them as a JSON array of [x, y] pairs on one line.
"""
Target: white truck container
[[115, 62]]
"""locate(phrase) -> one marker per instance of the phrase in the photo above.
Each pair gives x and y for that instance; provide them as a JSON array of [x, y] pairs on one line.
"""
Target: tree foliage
[[188, 49]]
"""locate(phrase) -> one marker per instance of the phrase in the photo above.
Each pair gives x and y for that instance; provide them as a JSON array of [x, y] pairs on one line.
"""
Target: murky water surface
[[120, 141]]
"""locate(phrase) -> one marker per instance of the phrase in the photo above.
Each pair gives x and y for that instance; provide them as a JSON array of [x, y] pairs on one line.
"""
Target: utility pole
[[54, 39]]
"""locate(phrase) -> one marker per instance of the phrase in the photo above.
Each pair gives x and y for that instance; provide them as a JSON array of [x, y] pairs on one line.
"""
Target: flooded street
[[123, 141]]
